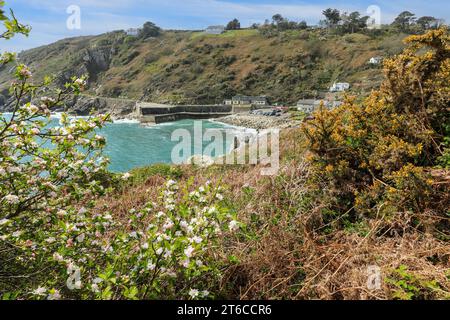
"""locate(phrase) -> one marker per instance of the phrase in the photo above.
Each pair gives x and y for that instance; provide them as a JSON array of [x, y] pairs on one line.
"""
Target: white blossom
[[170, 183], [126, 176], [234, 226], [35, 131], [95, 288], [81, 238], [185, 263], [169, 225], [194, 293], [189, 252], [197, 240], [41, 291], [12, 199], [58, 257]]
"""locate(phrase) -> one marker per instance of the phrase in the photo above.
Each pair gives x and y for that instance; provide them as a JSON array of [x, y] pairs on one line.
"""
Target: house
[[215, 30], [247, 100], [375, 60], [308, 106], [134, 32], [340, 87]]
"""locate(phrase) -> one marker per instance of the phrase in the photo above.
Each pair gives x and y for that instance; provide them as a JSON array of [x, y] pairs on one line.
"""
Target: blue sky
[[48, 17]]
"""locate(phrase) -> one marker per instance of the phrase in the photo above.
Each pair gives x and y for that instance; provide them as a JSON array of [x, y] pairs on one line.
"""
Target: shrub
[[379, 151]]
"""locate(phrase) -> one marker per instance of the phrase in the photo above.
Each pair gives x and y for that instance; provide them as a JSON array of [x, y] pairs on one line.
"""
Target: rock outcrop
[[118, 108]]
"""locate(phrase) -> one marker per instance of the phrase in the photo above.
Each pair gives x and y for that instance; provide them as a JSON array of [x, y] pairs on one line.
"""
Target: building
[[376, 60], [215, 30], [309, 106], [340, 87], [248, 100], [134, 32]]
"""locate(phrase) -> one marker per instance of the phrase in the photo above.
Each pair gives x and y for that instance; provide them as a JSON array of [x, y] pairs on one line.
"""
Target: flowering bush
[[379, 151], [44, 171], [155, 255], [56, 244], [164, 251]]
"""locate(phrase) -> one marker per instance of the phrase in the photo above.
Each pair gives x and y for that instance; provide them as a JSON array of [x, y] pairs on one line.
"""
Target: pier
[[158, 113]]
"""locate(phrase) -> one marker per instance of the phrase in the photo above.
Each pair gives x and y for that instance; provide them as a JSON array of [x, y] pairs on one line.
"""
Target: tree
[[333, 17], [404, 21], [234, 25], [150, 29], [277, 19], [353, 22], [302, 25], [427, 23], [283, 24]]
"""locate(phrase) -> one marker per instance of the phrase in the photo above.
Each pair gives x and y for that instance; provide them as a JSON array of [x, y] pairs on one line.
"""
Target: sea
[[130, 144]]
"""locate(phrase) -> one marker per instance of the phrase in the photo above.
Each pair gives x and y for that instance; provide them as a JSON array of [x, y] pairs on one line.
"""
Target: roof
[[242, 97]]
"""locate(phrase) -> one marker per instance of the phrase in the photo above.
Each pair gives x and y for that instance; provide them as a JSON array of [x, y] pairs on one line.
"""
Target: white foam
[[125, 121], [58, 115]]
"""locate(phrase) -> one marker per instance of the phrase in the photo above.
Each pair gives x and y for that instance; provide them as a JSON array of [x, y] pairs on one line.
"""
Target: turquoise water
[[130, 145]]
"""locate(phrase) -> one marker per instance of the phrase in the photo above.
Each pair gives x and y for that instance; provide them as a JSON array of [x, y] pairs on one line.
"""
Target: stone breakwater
[[260, 122]]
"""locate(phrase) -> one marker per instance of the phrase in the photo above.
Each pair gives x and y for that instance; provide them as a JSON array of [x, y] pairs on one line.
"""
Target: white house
[[340, 87], [308, 105], [375, 60], [246, 100], [215, 30], [134, 32]]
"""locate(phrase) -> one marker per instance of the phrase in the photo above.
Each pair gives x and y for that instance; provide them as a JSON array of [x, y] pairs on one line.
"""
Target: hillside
[[192, 67]]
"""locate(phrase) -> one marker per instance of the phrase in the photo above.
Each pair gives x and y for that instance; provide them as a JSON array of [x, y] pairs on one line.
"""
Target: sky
[[48, 18]]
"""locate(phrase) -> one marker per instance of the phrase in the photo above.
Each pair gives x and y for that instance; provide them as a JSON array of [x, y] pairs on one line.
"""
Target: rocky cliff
[[184, 67]]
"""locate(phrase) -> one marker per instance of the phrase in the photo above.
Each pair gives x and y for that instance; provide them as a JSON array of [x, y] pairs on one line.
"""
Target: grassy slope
[[191, 67]]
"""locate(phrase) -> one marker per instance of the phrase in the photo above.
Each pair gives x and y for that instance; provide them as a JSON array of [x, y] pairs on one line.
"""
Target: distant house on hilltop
[[134, 32], [248, 100], [340, 87], [215, 30]]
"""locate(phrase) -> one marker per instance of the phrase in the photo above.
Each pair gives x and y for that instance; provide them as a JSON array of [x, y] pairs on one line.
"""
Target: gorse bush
[[383, 150]]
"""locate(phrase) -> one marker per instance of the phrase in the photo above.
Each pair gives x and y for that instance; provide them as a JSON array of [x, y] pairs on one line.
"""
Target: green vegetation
[[366, 184], [344, 22], [234, 25], [188, 67], [149, 29]]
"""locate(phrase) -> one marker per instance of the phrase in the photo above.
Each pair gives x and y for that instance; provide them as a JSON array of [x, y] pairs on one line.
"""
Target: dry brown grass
[[285, 253]]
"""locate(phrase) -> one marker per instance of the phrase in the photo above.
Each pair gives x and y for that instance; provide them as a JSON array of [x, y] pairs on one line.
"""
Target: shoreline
[[258, 122]]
